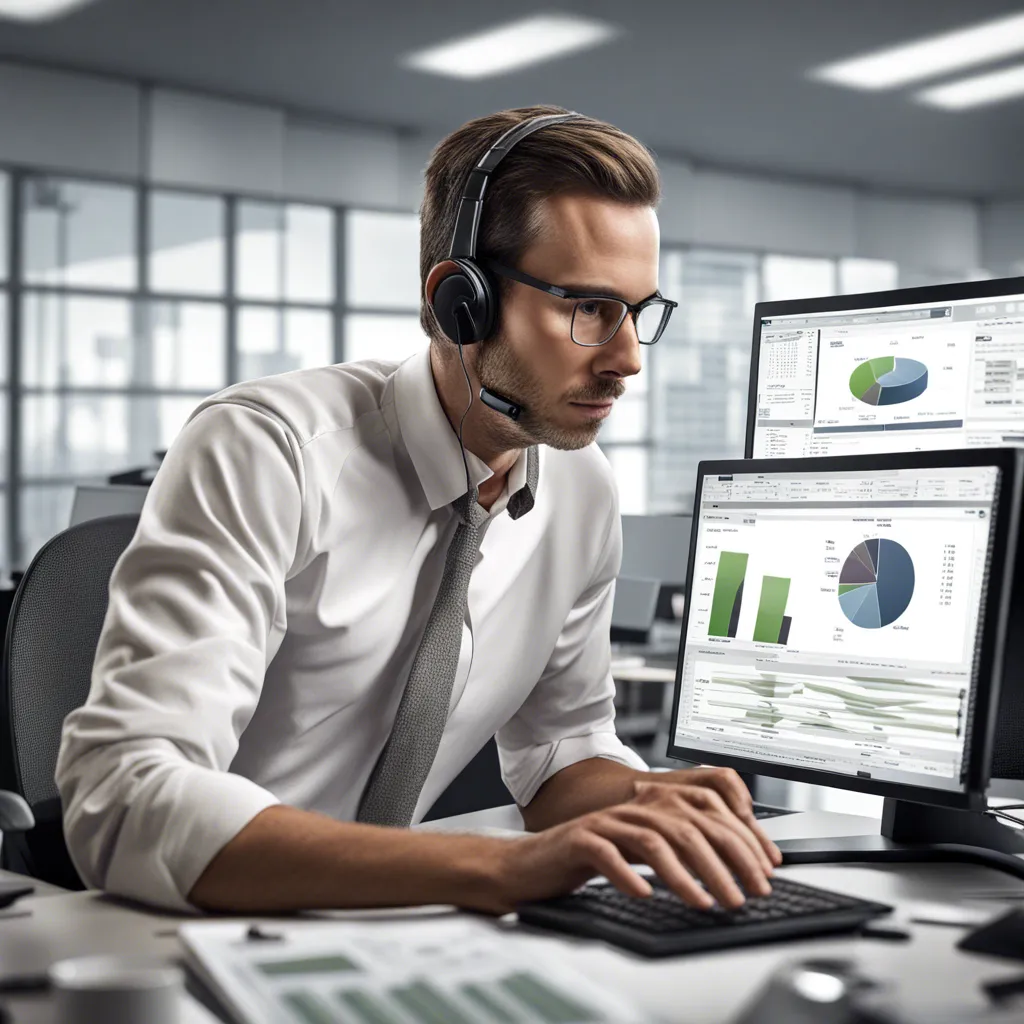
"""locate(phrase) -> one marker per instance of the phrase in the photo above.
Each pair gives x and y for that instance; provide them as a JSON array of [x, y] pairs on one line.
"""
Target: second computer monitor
[[906, 370], [845, 619]]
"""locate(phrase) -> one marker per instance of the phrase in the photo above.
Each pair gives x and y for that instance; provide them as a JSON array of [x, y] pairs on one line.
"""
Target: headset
[[466, 301]]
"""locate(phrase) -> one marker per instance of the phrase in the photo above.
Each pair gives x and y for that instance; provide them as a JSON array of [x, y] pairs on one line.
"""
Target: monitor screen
[[903, 376], [833, 621]]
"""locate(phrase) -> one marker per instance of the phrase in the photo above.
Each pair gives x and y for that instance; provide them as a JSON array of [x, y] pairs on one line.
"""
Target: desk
[[927, 972]]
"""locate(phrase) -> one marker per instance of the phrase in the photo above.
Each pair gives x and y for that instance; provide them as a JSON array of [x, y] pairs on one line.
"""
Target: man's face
[[586, 244]]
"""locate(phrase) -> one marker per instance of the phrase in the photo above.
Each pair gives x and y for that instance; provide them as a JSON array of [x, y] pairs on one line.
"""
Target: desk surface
[[927, 973]]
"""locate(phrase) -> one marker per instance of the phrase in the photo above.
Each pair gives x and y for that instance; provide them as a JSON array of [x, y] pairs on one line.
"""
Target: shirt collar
[[433, 445]]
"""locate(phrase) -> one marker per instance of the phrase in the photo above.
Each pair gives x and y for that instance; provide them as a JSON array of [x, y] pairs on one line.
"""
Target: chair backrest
[[52, 633]]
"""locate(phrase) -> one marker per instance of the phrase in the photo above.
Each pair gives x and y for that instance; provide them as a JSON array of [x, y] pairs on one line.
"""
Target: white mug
[[116, 990]]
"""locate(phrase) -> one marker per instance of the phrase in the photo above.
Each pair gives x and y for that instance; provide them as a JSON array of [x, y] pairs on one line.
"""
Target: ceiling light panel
[[38, 10], [976, 91], [927, 58], [510, 47]]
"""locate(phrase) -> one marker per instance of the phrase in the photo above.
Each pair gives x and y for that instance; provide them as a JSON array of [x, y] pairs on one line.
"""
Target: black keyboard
[[766, 811], [662, 925]]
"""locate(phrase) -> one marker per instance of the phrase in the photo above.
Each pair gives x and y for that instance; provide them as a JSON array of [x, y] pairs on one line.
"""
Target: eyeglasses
[[596, 319]]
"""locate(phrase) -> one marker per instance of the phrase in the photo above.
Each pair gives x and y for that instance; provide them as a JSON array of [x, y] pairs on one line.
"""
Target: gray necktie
[[397, 779]]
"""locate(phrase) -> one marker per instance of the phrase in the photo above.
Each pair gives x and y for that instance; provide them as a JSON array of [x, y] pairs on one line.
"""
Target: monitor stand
[[918, 833]]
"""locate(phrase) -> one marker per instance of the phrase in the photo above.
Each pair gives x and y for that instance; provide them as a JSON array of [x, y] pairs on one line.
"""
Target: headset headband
[[467, 220]]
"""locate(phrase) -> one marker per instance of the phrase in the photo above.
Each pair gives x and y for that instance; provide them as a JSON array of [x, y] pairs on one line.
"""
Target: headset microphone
[[499, 404], [464, 327], [465, 302]]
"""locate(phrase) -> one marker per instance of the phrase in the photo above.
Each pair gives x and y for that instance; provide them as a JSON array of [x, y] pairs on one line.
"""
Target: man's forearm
[[287, 859], [579, 789]]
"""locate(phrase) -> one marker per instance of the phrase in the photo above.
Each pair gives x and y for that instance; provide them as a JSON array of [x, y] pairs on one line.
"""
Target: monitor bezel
[[862, 300], [1006, 516]]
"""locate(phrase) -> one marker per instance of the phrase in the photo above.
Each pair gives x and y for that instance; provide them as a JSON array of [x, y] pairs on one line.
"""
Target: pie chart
[[876, 583], [888, 380]]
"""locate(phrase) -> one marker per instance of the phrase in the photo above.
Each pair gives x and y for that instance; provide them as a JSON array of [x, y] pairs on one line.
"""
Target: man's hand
[[685, 832], [729, 786]]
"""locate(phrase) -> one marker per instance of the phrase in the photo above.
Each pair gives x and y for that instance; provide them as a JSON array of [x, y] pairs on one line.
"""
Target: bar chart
[[728, 596], [772, 624]]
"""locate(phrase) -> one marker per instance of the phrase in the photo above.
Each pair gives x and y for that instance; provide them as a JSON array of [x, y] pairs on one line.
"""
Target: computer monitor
[[655, 547], [94, 501], [633, 608], [845, 619], [906, 370]]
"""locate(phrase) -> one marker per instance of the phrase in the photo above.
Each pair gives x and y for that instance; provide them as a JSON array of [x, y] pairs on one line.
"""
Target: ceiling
[[720, 83]]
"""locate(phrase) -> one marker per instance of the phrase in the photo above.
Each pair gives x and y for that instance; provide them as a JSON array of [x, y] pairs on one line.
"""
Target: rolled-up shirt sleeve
[[196, 612], [569, 715]]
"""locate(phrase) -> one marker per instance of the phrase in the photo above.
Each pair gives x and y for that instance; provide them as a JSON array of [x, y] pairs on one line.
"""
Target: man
[[274, 690]]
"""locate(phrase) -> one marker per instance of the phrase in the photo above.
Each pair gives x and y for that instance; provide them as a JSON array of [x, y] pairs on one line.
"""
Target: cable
[[469, 388], [998, 813]]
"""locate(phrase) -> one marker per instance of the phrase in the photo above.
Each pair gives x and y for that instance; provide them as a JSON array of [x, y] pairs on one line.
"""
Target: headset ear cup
[[467, 286]]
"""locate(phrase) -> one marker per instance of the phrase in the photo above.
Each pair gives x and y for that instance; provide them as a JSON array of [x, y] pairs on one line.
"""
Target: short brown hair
[[588, 157]]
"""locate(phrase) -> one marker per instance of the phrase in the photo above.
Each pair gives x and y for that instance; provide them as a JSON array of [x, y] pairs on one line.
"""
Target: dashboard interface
[[833, 620], [906, 378]]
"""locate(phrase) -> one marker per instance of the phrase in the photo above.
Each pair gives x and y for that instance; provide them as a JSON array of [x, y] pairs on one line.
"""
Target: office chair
[[52, 633]]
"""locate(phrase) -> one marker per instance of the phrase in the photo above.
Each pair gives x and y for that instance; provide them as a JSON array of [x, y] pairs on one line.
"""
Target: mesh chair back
[[52, 633]]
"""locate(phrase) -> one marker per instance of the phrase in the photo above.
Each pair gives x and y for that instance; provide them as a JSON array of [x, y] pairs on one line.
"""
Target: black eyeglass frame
[[636, 308]]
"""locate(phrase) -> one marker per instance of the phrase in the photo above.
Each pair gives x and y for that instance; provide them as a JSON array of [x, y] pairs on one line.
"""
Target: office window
[[285, 252], [630, 464], [44, 510], [382, 260], [627, 421], [699, 369], [274, 340], [381, 336], [183, 346], [76, 341], [89, 436], [863, 275], [186, 254], [3, 362], [78, 234], [5, 185], [797, 277]]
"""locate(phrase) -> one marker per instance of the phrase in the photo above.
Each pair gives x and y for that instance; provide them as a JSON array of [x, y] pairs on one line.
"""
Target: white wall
[[212, 143], [87, 124], [92, 125], [1002, 234], [52, 119], [740, 211]]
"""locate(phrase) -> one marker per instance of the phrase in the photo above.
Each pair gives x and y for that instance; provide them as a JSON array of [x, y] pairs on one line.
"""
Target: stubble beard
[[499, 369]]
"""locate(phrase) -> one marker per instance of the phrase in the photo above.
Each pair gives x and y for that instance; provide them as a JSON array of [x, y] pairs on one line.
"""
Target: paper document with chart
[[394, 971]]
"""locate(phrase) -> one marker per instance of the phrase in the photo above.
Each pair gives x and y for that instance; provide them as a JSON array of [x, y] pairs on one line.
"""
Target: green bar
[[732, 567], [310, 965], [774, 593], [548, 1004], [486, 1001], [308, 1007], [427, 1005], [366, 1008]]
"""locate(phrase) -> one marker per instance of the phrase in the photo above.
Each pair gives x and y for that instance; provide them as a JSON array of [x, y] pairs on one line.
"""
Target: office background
[[194, 193]]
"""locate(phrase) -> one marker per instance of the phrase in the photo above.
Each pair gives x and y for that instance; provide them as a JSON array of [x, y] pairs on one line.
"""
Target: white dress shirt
[[263, 621]]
